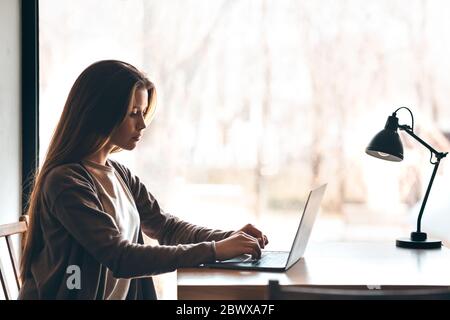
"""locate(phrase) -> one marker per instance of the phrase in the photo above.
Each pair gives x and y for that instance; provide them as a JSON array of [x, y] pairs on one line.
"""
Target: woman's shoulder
[[66, 176]]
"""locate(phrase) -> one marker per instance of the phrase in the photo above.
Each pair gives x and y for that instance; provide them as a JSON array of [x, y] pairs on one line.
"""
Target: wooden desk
[[326, 264]]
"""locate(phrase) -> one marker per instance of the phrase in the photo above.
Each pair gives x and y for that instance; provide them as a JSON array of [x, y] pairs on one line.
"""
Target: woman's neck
[[100, 156]]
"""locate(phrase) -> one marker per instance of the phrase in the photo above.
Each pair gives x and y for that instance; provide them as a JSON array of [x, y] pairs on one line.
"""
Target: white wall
[[10, 111]]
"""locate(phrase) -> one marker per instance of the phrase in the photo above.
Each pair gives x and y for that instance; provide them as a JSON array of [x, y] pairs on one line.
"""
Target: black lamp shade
[[386, 144]]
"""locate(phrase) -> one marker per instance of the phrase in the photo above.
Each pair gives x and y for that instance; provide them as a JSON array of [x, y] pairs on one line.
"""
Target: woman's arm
[[78, 210]]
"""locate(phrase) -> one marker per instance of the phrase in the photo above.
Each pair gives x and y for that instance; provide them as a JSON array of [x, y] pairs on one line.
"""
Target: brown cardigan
[[77, 231]]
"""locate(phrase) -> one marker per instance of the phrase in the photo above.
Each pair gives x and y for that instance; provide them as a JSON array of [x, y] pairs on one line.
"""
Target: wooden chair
[[278, 292], [6, 231]]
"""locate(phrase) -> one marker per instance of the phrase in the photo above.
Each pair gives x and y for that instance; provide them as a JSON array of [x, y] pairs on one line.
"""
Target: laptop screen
[[306, 224]]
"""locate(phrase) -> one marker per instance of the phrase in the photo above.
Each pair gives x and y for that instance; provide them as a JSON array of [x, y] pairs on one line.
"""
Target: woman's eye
[[137, 111]]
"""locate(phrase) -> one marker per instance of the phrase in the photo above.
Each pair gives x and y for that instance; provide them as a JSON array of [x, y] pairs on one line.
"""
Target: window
[[258, 101]]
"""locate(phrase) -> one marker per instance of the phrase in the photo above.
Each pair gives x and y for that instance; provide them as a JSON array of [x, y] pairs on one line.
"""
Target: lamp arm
[[427, 193], [439, 156], [408, 130]]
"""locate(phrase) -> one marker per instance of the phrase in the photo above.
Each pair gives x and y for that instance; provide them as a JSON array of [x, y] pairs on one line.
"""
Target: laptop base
[[274, 261]]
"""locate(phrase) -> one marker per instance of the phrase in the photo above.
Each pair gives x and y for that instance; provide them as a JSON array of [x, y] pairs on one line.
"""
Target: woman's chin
[[130, 146]]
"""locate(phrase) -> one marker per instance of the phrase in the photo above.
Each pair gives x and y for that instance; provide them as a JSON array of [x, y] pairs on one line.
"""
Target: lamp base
[[412, 244]]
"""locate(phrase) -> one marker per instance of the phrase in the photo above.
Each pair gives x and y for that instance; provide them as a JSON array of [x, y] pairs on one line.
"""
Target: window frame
[[29, 95]]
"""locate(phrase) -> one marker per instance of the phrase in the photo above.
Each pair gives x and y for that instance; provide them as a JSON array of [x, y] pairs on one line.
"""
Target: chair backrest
[[278, 292], [6, 231]]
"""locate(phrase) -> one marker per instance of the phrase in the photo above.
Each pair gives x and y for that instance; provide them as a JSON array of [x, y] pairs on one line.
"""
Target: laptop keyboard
[[272, 257]]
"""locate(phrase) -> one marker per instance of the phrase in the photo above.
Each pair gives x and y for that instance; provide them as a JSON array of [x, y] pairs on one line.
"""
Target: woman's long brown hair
[[97, 104]]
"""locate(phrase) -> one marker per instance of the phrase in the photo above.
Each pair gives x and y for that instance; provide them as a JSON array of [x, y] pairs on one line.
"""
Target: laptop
[[280, 260]]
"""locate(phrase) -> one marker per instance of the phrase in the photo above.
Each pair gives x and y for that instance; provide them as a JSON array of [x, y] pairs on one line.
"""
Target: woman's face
[[129, 132]]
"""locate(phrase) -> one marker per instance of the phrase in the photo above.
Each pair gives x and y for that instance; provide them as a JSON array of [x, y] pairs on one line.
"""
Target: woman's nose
[[141, 123]]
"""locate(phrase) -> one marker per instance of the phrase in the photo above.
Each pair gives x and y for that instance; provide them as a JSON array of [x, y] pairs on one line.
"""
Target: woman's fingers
[[249, 245], [253, 231], [262, 240], [251, 250], [253, 244], [256, 233]]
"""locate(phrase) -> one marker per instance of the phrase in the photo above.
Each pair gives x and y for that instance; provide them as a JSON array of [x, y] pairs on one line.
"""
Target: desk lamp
[[387, 145]]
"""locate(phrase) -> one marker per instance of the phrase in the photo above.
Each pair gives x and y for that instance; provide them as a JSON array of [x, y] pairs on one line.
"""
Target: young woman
[[87, 212]]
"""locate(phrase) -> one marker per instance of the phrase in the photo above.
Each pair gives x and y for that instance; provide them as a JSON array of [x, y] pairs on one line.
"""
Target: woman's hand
[[255, 233], [247, 240], [237, 244]]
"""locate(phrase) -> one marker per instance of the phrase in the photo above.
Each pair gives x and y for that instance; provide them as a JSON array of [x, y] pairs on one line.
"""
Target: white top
[[119, 203]]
